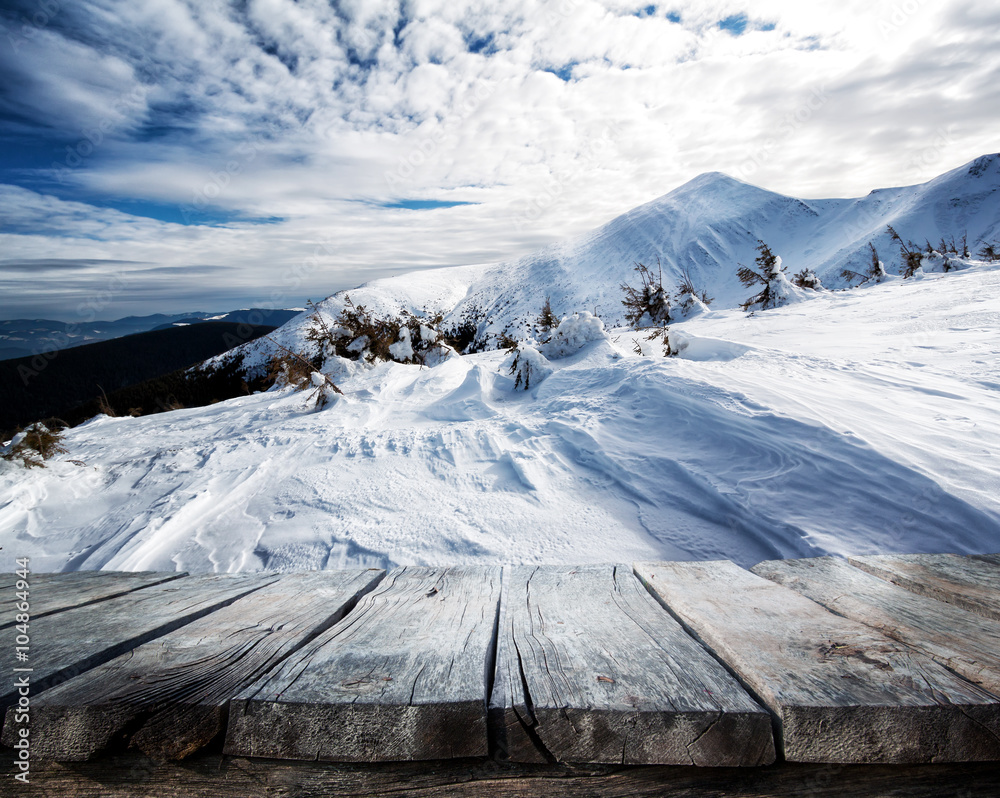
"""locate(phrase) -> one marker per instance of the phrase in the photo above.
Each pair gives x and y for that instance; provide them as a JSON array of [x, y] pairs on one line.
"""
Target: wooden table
[[650, 678]]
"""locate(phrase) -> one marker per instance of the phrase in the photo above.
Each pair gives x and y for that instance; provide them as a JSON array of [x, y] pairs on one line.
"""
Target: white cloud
[[297, 110]]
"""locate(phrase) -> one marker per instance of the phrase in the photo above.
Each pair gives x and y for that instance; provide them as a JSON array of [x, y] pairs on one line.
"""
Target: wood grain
[[841, 691], [169, 696], [51, 593], [404, 676], [213, 776], [960, 640], [69, 643], [591, 669], [971, 583]]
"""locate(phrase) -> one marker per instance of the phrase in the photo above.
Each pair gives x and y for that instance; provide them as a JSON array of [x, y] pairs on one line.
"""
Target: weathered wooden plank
[[841, 691], [960, 640], [49, 593], [404, 676], [214, 776], [168, 697], [510, 721], [71, 642], [967, 582], [591, 669]]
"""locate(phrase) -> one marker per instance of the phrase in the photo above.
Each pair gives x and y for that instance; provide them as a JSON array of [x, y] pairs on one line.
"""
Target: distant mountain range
[[23, 337], [69, 383]]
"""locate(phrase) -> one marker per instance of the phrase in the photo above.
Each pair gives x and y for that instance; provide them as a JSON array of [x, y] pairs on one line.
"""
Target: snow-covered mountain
[[705, 229], [855, 421]]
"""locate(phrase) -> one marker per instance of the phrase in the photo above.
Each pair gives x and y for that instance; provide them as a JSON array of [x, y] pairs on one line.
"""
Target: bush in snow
[[572, 333], [875, 273], [528, 366], [34, 445], [688, 300], [291, 368], [950, 247], [646, 305], [358, 335], [807, 278], [911, 255], [771, 275], [285, 369], [990, 252]]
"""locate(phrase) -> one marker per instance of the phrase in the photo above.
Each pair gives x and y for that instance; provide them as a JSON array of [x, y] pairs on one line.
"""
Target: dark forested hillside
[[54, 383]]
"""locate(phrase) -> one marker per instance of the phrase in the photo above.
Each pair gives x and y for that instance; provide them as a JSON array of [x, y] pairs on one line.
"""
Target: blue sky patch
[[564, 73], [422, 205], [485, 45], [736, 24]]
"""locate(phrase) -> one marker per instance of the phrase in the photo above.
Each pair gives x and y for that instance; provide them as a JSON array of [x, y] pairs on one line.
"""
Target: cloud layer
[[297, 148]]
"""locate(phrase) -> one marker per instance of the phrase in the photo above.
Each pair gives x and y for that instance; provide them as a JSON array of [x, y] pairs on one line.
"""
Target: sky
[[172, 156]]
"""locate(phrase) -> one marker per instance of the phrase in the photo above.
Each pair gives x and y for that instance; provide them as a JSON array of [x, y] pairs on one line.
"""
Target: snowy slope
[[862, 421], [855, 422]]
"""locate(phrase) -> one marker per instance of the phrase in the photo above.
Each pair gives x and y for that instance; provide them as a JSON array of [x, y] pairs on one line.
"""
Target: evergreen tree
[[647, 305], [547, 320], [911, 255], [770, 274]]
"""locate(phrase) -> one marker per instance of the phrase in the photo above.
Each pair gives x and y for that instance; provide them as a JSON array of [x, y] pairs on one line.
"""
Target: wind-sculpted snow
[[860, 422]]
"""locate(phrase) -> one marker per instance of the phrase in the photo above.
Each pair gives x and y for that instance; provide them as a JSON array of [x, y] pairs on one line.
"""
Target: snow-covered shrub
[[989, 252], [776, 291], [935, 261], [572, 333], [688, 300], [875, 273], [285, 369], [648, 304], [356, 334], [808, 279], [951, 247], [528, 366], [911, 255], [34, 445], [687, 306], [666, 338]]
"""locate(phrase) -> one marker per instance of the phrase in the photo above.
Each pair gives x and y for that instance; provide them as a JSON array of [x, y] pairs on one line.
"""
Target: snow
[[861, 421], [402, 350], [573, 333], [528, 366]]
